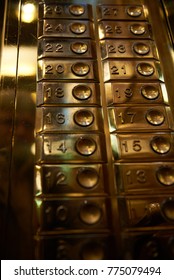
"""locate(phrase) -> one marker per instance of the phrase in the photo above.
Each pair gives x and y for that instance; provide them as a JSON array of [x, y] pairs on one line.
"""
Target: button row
[[124, 30], [149, 245], [74, 213], [65, 11], [73, 247], [145, 211], [61, 119], [142, 146], [56, 47], [60, 69], [60, 93], [127, 49], [70, 148], [135, 93], [120, 12], [140, 118], [65, 28], [70, 179], [126, 69], [143, 178]]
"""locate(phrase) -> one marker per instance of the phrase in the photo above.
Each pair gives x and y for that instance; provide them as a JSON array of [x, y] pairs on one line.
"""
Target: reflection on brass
[[167, 209], [155, 117], [102, 170], [83, 117], [88, 178], [78, 28], [150, 92], [145, 69], [160, 145], [77, 10], [79, 47], [165, 175], [141, 48], [86, 146], [82, 92], [80, 69], [90, 213], [137, 29], [134, 11]]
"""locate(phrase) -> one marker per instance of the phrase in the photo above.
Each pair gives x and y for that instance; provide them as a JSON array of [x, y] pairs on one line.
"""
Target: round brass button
[[167, 209], [92, 251], [79, 47], [90, 213], [155, 117], [77, 10], [165, 175], [82, 92], [145, 69], [86, 146], [80, 69], [141, 48], [160, 145], [88, 178], [134, 11], [78, 27], [137, 29], [150, 92], [84, 117]]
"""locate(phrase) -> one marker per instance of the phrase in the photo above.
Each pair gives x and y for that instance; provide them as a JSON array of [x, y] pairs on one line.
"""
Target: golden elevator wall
[[87, 150]]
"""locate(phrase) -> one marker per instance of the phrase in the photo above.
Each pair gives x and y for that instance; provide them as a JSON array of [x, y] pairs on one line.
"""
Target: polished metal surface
[[87, 136]]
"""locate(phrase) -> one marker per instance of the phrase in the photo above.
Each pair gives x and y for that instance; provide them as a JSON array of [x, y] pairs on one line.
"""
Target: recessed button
[[79, 47], [165, 175], [78, 27], [80, 69], [84, 117], [92, 251], [137, 29], [88, 177], [155, 117], [90, 213], [76, 10], [141, 48], [160, 145], [134, 11], [82, 92], [145, 69], [86, 146], [150, 92], [167, 209]]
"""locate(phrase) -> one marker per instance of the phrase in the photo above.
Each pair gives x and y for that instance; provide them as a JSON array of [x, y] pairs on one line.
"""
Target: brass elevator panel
[[89, 142]]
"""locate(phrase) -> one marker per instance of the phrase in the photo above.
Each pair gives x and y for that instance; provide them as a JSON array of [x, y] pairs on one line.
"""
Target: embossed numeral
[[60, 69], [135, 146], [127, 117], [59, 48], [62, 147], [108, 29], [49, 47], [139, 176], [48, 28], [117, 71], [58, 92], [60, 118], [128, 93], [48, 69], [115, 49], [48, 10]]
